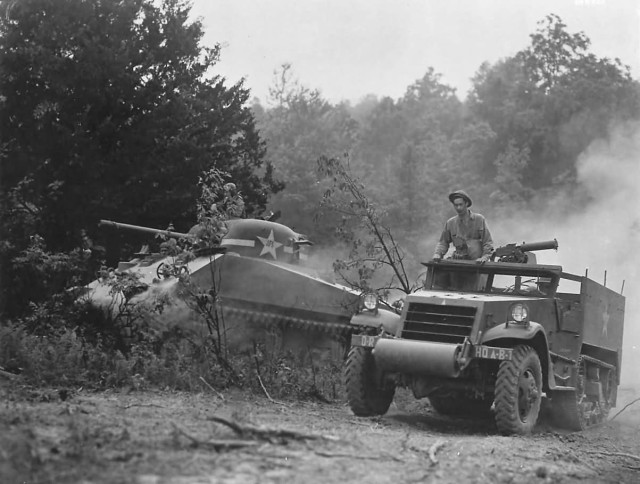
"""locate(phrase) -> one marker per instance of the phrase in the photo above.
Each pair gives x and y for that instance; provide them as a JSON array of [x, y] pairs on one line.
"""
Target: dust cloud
[[598, 228]]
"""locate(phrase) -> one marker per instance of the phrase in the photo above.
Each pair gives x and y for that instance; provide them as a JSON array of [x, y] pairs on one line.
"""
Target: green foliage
[[291, 374], [35, 277], [300, 126], [65, 340], [412, 152], [66, 359], [550, 101], [372, 245], [60, 358], [170, 360], [127, 112]]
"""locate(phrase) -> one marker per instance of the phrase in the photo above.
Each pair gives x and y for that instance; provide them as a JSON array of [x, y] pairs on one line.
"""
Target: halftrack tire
[[365, 393], [575, 410], [460, 405], [518, 392]]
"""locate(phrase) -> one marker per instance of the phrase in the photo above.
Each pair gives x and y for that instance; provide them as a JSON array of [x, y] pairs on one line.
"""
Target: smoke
[[609, 171], [598, 228]]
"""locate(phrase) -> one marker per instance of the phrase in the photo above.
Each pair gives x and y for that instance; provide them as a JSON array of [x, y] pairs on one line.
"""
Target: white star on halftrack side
[[270, 245], [605, 321]]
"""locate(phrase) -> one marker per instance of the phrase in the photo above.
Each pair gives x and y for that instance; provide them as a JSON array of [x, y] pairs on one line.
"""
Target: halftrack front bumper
[[410, 357]]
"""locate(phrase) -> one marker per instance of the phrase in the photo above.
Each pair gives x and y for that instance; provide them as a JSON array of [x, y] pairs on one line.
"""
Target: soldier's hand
[[483, 259]]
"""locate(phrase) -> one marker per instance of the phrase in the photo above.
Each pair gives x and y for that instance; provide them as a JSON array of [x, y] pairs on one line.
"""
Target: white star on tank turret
[[270, 245]]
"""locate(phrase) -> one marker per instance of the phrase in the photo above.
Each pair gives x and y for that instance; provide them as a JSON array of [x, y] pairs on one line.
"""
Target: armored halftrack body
[[498, 336]]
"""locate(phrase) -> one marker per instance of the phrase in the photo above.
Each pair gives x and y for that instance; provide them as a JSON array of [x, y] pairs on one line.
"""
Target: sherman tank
[[260, 276]]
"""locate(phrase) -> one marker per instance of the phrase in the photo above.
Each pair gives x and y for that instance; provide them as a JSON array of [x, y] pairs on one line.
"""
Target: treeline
[[114, 110], [513, 142]]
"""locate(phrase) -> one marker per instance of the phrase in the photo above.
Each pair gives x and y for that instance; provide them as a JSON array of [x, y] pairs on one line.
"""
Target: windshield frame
[[456, 270]]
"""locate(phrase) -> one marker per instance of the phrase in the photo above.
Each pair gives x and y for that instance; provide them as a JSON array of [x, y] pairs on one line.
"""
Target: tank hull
[[256, 299]]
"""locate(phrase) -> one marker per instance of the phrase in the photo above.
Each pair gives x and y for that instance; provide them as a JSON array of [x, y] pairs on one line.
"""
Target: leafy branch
[[361, 226]]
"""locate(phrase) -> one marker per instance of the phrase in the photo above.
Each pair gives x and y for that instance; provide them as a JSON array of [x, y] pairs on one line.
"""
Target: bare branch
[[217, 445], [434, 449], [614, 454], [267, 434], [220, 395], [624, 408]]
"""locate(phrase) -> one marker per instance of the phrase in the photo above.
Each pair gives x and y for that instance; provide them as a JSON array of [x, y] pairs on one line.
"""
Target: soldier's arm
[[487, 241], [443, 243]]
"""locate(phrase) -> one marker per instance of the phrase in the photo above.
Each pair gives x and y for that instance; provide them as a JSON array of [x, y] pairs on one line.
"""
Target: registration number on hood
[[491, 353]]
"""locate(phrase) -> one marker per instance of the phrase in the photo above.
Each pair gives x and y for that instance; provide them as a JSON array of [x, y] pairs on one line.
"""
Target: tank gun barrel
[[149, 230]]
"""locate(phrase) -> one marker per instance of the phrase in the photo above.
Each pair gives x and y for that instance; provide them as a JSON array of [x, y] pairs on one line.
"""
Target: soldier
[[467, 231], [233, 205]]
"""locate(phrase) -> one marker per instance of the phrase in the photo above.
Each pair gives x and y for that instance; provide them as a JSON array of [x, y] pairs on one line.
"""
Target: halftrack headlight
[[370, 301], [519, 313]]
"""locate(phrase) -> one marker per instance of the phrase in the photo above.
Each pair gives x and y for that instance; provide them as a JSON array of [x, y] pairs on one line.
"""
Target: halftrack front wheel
[[367, 394], [518, 392]]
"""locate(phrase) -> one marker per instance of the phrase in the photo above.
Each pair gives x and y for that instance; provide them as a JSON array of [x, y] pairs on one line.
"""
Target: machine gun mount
[[522, 253]]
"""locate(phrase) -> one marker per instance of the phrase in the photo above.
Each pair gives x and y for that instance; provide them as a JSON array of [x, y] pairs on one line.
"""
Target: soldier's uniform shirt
[[234, 206], [470, 236]]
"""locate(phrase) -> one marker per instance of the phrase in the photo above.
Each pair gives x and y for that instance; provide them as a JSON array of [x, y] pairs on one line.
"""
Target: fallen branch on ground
[[434, 449], [274, 436], [264, 389], [220, 395], [614, 454], [142, 405], [217, 445], [624, 408], [8, 375], [349, 456]]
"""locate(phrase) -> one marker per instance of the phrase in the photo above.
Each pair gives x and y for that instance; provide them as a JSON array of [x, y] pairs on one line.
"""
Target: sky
[[350, 48]]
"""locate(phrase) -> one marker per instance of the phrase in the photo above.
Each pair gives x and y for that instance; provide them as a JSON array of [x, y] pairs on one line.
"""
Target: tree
[[300, 126], [112, 110], [550, 101], [374, 255], [405, 155]]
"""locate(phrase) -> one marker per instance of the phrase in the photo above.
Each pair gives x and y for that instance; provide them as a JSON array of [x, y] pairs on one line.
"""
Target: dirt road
[[49, 436]]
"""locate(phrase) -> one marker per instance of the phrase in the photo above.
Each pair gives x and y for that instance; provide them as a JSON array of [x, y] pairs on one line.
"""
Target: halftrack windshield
[[493, 278]]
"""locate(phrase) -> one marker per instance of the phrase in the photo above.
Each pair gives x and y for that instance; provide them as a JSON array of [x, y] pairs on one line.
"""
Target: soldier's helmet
[[230, 187]]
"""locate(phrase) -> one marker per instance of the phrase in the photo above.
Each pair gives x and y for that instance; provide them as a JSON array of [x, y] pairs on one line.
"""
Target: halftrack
[[497, 338]]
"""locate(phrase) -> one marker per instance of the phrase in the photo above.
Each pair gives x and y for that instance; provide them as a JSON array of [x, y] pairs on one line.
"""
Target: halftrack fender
[[389, 321], [532, 334]]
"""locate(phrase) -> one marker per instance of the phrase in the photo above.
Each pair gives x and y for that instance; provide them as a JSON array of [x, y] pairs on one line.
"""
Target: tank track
[[339, 331]]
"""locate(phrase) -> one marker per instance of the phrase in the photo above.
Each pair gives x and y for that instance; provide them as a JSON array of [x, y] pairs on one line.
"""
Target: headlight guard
[[369, 302], [518, 314]]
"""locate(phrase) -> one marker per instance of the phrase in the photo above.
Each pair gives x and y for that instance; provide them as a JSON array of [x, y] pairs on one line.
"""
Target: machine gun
[[519, 253]]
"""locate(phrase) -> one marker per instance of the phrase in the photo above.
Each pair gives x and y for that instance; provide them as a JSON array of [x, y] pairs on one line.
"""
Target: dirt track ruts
[[165, 437]]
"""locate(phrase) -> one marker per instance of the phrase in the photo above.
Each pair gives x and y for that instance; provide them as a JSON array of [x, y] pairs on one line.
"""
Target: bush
[[169, 361]]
